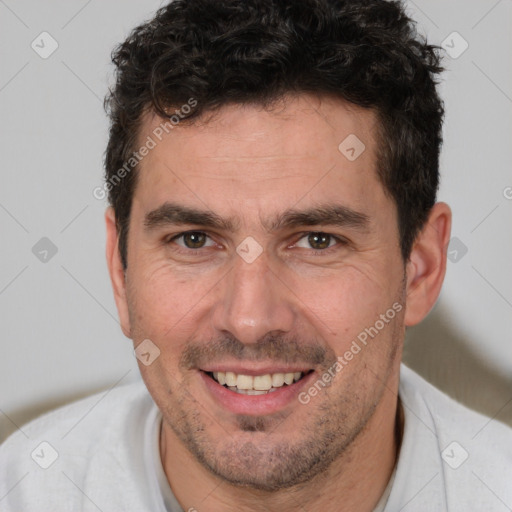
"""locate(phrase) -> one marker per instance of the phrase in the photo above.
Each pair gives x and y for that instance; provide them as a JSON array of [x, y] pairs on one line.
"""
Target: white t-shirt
[[102, 454]]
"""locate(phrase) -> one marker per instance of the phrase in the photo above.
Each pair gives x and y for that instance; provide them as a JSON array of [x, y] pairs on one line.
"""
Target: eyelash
[[340, 242]]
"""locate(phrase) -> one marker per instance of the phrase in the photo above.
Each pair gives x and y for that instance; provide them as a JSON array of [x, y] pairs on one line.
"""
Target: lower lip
[[255, 405]]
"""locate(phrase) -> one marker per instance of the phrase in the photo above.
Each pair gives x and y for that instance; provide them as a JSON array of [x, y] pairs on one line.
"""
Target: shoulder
[[51, 456], [88, 415], [470, 453], [449, 415]]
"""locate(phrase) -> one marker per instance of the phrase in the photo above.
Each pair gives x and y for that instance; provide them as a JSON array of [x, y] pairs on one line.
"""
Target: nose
[[253, 302]]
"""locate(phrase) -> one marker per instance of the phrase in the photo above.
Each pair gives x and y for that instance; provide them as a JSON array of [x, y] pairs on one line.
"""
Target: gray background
[[60, 336]]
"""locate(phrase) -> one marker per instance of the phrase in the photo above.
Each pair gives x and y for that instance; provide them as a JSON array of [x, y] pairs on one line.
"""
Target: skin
[[196, 305]]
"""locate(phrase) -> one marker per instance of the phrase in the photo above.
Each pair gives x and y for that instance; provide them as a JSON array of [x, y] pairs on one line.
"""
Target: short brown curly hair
[[365, 52]]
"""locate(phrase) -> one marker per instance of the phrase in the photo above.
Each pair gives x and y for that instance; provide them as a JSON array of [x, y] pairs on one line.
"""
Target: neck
[[353, 483]]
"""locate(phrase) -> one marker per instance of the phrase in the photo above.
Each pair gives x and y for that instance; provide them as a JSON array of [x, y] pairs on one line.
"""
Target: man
[[272, 171]]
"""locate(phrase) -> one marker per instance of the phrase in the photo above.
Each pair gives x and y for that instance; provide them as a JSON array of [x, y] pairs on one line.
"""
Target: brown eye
[[319, 241], [192, 240]]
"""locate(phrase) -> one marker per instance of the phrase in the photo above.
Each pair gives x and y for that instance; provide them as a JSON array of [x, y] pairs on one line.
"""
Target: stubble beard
[[260, 455]]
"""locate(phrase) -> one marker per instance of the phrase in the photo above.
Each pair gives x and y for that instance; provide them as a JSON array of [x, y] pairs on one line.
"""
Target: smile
[[257, 384], [266, 391]]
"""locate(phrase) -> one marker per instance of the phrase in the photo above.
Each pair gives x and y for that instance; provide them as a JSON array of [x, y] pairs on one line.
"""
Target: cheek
[[163, 299], [346, 294], [342, 304]]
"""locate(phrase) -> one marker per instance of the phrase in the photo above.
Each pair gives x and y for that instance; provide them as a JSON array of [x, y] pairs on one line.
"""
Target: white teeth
[[255, 392], [258, 384], [262, 382], [277, 380], [249, 391], [244, 382], [288, 378], [230, 379]]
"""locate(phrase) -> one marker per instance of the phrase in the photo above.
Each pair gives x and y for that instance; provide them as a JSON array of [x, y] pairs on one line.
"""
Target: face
[[259, 255]]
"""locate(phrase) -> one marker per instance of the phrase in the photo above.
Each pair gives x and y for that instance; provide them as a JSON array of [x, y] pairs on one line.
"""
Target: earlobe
[[116, 271], [427, 264]]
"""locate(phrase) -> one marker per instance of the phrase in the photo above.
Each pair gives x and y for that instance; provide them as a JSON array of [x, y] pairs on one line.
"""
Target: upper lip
[[245, 369]]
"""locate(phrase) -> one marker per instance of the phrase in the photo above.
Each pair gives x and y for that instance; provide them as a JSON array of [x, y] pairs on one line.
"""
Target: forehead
[[303, 149]]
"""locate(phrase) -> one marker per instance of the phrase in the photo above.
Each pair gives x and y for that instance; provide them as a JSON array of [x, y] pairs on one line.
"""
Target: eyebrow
[[171, 213], [328, 214]]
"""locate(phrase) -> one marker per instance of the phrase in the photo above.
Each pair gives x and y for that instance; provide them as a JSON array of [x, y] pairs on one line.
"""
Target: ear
[[427, 264], [116, 270]]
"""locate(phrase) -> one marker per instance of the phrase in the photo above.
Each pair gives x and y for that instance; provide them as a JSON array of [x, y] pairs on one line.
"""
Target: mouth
[[264, 392], [256, 384]]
